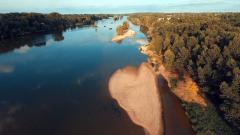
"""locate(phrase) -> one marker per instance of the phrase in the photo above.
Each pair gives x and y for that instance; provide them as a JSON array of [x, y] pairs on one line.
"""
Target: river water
[[57, 84]]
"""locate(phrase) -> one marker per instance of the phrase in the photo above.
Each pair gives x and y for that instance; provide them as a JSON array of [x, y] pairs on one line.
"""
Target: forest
[[206, 46], [19, 24]]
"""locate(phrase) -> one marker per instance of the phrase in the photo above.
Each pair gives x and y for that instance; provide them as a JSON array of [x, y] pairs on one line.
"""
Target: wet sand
[[119, 38], [148, 101], [138, 95], [175, 120], [141, 41]]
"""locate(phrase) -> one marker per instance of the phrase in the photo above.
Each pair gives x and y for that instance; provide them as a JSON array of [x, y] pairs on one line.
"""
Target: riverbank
[[185, 89], [145, 95], [169, 52], [185, 92]]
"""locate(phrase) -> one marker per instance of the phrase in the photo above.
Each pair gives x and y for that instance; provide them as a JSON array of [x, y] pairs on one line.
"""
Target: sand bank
[[127, 34], [136, 92], [141, 41], [149, 102]]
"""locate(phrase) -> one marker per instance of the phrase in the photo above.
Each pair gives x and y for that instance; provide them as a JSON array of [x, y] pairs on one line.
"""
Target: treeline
[[18, 24], [207, 46]]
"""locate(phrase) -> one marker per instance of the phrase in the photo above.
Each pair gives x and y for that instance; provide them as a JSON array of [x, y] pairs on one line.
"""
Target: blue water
[[56, 84]]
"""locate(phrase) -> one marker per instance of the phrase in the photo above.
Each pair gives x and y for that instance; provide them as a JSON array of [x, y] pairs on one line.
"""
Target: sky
[[118, 6]]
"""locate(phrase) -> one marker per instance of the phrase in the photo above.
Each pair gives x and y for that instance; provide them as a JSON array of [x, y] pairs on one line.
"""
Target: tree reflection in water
[[29, 41]]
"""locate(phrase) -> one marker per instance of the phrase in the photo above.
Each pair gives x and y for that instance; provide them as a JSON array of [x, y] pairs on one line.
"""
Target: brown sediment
[[175, 120], [141, 41], [136, 92], [187, 90], [127, 34], [148, 101]]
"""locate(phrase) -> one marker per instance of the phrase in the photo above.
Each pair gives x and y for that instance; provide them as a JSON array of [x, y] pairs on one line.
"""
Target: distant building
[[160, 19], [169, 18]]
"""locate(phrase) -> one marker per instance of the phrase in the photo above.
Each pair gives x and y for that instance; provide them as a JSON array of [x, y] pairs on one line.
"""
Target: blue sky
[[119, 6]]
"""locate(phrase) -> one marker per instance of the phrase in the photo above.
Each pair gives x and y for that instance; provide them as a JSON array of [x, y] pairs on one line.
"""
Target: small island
[[122, 32]]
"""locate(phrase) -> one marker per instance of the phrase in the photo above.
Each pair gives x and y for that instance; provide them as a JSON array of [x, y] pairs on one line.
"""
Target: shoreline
[[127, 83], [186, 89], [168, 97], [124, 90]]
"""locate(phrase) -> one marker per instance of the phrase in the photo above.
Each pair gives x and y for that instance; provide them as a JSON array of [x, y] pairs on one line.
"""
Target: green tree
[[191, 42], [125, 25], [119, 30], [166, 42], [169, 58], [156, 44]]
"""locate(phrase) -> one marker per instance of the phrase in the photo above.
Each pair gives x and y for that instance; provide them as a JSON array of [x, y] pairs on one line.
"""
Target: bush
[[119, 30], [125, 26], [173, 83]]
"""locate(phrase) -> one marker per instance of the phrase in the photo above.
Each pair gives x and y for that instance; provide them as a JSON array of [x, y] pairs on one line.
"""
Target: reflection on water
[[58, 36], [23, 44], [6, 69], [57, 83]]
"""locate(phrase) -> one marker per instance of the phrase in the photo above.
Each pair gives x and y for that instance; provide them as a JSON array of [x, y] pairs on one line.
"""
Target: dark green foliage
[[205, 121], [120, 30], [125, 25], [18, 24], [169, 58], [173, 83], [208, 47], [156, 44]]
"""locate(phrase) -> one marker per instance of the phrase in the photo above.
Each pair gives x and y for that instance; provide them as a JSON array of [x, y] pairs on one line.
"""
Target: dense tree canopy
[[205, 45], [19, 24]]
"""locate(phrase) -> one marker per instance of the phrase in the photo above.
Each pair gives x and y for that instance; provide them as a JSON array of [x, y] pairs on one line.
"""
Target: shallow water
[[57, 84]]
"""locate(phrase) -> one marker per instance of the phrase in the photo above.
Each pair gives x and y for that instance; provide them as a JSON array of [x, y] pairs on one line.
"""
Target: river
[[57, 84]]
